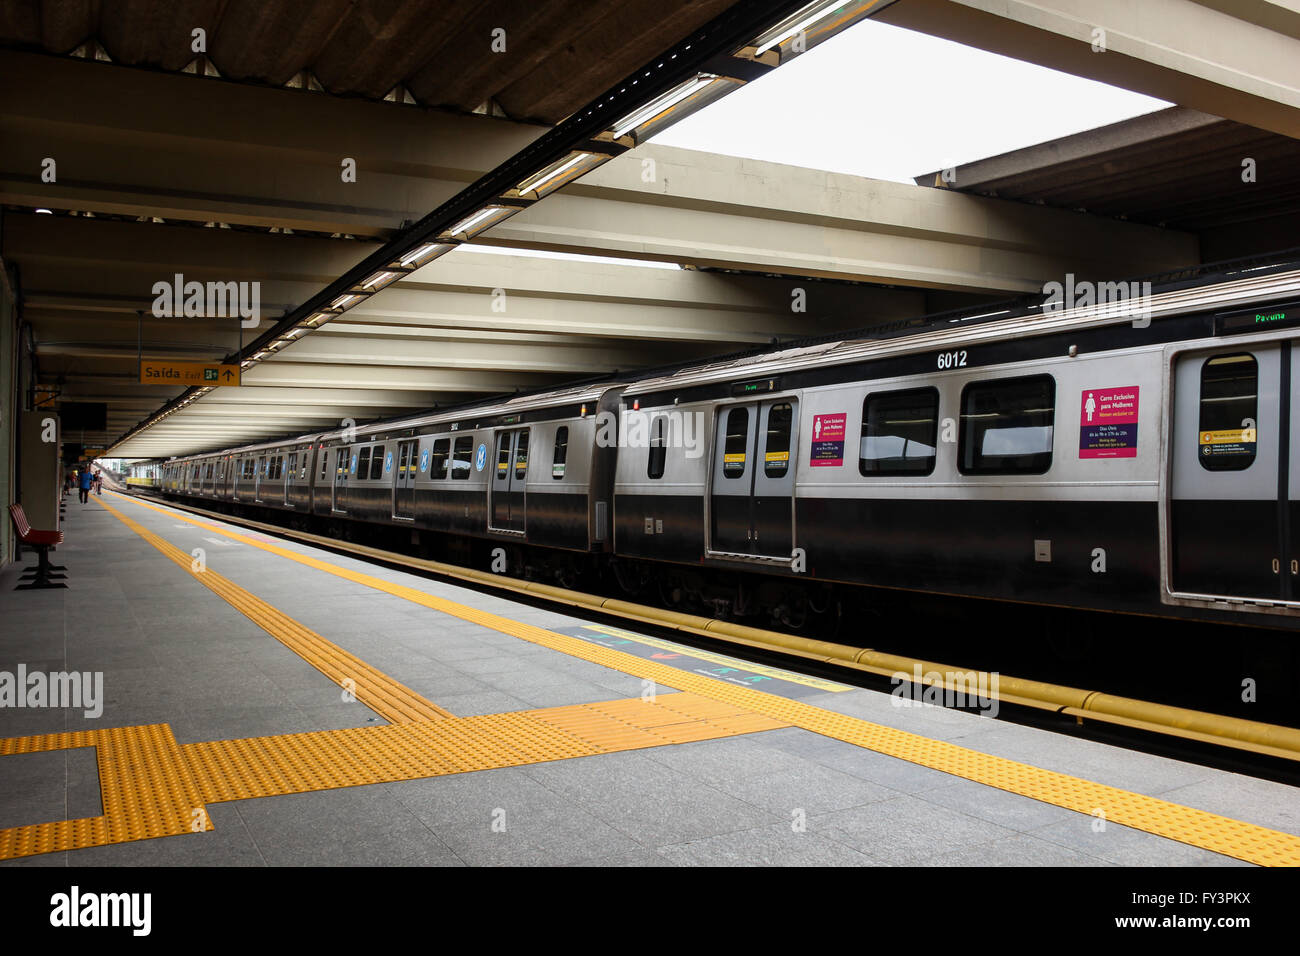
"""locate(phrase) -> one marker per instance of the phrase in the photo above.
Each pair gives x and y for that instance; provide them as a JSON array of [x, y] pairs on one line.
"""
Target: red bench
[[42, 541]]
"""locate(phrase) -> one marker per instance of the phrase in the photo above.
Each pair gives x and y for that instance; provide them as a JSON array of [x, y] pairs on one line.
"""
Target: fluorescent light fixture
[[343, 301], [478, 218], [259, 356], [295, 332], [425, 251], [552, 173], [47, 212], [378, 277], [663, 103], [245, 363], [798, 21]]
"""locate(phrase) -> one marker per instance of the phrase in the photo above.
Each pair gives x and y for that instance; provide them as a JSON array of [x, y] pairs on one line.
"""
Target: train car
[[1135, 456], [1139, 458], [144, 476]]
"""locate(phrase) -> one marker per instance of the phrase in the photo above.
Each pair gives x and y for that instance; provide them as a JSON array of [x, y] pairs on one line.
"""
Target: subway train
[[1133, 453]]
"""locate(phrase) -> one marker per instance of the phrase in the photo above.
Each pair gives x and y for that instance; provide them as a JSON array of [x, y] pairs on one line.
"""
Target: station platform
[[248, 701]]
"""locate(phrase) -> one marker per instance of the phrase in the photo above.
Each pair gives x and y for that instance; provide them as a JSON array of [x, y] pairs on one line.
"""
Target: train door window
[[776, 451], [377, 462], [261, 466], [561, 452], [657, 454], [1229, 412], [503, 455], [363, 463], [1006, 426], [521, 455], [438, 460], [461, 460], [324, 462], [733, 451], [302, 475], [899, 432], [293, 466]]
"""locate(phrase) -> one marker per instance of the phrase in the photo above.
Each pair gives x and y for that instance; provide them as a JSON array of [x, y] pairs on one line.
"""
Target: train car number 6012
[[955, 359]]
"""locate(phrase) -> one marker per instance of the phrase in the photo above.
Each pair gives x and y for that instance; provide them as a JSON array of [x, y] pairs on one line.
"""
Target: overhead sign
[[153, 372]]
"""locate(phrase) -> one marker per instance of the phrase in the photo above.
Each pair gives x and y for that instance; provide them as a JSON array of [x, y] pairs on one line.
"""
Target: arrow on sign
[[665, 657], [229, 375]]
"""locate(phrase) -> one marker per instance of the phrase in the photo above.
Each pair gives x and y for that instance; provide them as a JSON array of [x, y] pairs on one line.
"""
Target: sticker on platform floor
[[773, 680]]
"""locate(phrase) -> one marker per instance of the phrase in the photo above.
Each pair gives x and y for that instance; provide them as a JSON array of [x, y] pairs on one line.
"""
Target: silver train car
[[1138, 457]]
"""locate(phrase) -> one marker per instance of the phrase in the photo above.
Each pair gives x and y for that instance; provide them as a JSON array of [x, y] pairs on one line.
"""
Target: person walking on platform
[[84, 485], [99, 483]]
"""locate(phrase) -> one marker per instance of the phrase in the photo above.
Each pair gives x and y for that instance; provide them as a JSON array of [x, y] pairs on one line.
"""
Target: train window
[[521, 455], [561, 452], [302, 475], [293, 466], [377, 462], [503, 456], [438, 461], [1229, 412], [657, 455], [261, 465], [1006, 426], [363, 463], [461, 458], [776, 451], [737, 442], [324, 462], [899, 431]]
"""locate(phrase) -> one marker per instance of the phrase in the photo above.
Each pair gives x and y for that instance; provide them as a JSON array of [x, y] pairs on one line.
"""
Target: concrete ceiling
[[1236, 188], [551, 57]]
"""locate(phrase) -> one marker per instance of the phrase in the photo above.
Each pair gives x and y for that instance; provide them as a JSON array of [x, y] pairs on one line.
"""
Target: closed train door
[[290, 477], [1233, 475], [404, 481], [508, 499], [342, 463], [752, 500]]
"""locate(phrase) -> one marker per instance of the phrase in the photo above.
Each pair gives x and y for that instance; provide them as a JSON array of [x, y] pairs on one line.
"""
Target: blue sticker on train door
[[424, 460], [480, 457], [388, 463]]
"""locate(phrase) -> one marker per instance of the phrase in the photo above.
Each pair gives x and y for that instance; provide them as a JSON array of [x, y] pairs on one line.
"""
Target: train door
[[1229, 459], [259, 478], [404, 483], [508, 481], [290, 476], [1291, 513], [751, 505], [342, 464]]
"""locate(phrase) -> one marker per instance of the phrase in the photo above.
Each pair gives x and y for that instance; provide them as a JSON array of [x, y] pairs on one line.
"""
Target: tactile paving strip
[[144, 781], [1210, 831], [153, 787], [394, 702]]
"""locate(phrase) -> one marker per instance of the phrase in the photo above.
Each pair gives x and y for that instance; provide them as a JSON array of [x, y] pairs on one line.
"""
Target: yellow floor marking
[[1210, 831], [144, 781], [393, 701], [153, 787]]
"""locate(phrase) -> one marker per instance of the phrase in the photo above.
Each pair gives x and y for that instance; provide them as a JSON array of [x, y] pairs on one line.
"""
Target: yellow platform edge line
[[1236, 838]]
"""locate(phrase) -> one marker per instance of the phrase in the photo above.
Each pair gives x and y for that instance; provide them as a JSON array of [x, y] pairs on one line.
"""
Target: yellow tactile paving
[[392, 701], [1236, 838], [154, 787], [144, 782]]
